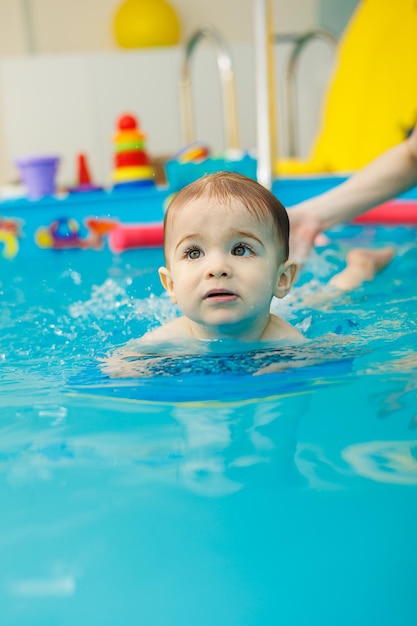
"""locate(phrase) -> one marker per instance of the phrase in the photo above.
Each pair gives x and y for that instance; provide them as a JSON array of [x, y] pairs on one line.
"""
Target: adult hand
[[304, 228]]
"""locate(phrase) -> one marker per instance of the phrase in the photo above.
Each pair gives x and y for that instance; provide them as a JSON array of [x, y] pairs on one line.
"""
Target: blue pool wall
[[130, 206]]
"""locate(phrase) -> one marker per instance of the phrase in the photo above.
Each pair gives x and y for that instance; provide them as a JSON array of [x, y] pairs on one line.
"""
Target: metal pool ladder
[[300, 44], [227, 80]]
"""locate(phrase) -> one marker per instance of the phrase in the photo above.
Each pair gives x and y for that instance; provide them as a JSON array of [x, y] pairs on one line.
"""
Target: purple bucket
[[38, 174]]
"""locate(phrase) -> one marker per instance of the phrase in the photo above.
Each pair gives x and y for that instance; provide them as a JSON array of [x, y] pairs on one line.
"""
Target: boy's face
[[223, 268]]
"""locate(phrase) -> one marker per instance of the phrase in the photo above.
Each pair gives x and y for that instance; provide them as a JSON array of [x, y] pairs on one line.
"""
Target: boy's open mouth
[[219, 294]]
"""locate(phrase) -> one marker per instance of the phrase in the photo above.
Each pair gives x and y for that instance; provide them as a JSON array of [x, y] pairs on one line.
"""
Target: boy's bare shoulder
[[126, 361], [280, 330], [176, 329], [135, 358]]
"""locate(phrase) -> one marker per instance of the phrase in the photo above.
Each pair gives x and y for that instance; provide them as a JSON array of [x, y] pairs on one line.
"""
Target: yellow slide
[[371, 104]]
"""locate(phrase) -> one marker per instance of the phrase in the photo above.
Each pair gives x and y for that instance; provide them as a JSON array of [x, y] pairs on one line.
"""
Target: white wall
[[69, 103], [66, 97], [87, 25]]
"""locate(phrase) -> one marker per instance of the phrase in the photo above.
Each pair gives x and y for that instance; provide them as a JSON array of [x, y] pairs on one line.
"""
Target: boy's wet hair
[[223, 186]]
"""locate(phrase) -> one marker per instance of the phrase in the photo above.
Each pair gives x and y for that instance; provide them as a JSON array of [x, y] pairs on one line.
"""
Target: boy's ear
[[167, 282], [286, 279]]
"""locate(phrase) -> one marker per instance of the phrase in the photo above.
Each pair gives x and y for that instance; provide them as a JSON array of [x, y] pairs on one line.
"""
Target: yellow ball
[[146, 23]]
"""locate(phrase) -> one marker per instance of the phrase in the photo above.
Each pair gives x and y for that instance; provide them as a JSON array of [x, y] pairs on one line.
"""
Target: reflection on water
[[393, 462], [211, 449], [44, 588], [227, 448], [389, 462]]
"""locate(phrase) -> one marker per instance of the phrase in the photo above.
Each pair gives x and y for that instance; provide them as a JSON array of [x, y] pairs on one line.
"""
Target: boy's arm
[[122, 363], [135, 358], [386, 177]]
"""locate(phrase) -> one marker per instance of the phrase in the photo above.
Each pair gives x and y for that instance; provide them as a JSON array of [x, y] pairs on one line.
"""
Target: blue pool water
[[206, 494]]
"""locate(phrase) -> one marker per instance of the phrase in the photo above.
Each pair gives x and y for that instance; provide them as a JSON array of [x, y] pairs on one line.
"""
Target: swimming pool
[[206, 494]]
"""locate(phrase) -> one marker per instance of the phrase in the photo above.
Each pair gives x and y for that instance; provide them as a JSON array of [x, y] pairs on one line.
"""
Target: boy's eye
[[193, 253], [241, 250]]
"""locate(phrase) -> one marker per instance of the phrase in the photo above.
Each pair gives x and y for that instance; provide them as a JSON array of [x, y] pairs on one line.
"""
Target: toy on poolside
[[128, 236], [131, 162], [10, 232], [194, 152], [146, 23], [194, 161], [66, 233], [84, 176], [84, 182], [38, 173]]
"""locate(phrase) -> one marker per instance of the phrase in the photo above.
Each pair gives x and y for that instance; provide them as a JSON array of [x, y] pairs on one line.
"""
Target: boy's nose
[[218, 267], [219, 273]]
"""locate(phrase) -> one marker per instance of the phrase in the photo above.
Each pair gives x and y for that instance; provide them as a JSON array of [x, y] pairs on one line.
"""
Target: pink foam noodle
[[130, 236], [392, 212]]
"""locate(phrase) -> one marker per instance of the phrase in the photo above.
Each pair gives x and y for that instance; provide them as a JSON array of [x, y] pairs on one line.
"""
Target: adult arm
[[386, 177]]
